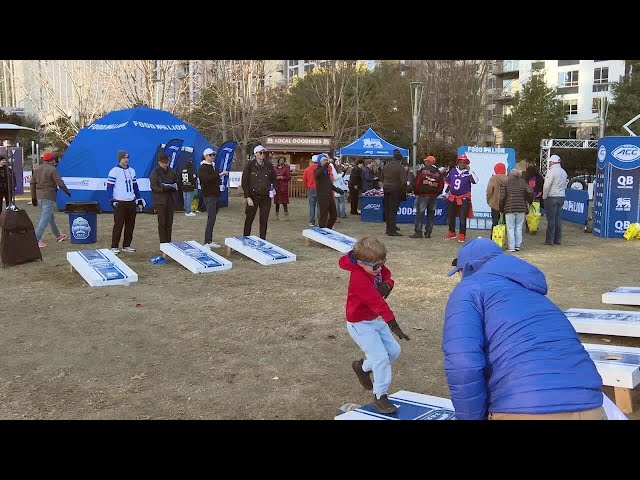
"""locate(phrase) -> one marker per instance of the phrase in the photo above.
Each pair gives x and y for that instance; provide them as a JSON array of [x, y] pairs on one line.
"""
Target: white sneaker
[[190, 214], [212, 245], [115, 251], [128, 249]]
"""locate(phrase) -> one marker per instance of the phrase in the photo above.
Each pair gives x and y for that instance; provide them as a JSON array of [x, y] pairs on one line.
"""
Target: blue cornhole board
[[101, 267], [263, 252], [330, 238], [195, 257], [411, 406]]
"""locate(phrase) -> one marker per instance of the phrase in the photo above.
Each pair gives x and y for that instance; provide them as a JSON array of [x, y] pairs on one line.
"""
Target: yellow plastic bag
[[633, 232], [499, 232], [533, 217]]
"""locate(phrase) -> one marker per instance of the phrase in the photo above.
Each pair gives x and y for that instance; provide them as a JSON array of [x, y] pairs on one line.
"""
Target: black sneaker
[[363, 377], [394, 234], [427, 235], [383, 405]]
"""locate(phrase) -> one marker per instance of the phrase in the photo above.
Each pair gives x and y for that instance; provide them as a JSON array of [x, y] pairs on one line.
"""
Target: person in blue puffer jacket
[[509, 352]]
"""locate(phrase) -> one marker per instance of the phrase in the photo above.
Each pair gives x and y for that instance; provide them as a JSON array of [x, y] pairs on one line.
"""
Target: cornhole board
[[619, 368], [605, 322], [622, 296], [411, 406], [195, 257], [101, 267], [330, 238], [263, 252]]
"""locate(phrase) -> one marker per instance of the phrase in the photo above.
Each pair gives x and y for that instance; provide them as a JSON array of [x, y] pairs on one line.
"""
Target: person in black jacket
[[325, 189], [395, 188], [187, 185], [210, 184], [164, 182], [258, 178], [6, 173], [355, 186]]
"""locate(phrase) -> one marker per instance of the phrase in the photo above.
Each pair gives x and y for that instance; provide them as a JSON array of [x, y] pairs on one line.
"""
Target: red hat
[[47, 156], [499, 169], [430, 159], [463, 158]]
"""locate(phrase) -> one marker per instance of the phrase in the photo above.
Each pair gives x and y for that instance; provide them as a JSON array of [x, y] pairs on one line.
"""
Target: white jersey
[[122, 180]]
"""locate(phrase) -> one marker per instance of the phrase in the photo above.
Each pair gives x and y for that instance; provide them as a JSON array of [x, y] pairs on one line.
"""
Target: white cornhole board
[[619, 367], [195, 257], [330, 238], [622, 296], [263, 252], [411, 406], [101, 267], [605, 322]]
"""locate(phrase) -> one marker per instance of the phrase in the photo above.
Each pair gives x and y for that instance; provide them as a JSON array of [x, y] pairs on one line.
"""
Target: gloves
[[395, 328], [384, 289], [34, 201], [113, 203]]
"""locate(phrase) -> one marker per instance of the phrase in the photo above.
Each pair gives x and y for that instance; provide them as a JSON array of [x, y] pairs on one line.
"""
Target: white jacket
[[555, 182]]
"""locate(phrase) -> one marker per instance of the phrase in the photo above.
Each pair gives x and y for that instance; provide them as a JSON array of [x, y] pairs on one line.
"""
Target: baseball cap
[[259, 148], [48, 156], [554, 159], [321, 157], [430, 159], [454, 263], [314, 158], [208, 151]]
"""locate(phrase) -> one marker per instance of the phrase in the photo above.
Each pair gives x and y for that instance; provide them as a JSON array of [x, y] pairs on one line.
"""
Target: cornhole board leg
[[229, 251], [306, 241], [623, 399]]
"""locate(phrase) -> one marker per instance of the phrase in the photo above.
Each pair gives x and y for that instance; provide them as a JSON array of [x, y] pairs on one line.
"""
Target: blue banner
[[576, 206], [372, 210], [172, 150], [223, 160]]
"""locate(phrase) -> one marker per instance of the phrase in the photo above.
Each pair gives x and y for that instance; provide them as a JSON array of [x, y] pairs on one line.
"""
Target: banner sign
[[576, 206], [172, 150]]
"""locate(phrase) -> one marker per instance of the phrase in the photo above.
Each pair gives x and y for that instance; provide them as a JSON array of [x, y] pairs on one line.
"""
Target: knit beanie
[[121, 154]]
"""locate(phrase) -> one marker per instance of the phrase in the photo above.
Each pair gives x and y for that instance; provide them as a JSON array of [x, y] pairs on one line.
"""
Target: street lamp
[[416, 96]]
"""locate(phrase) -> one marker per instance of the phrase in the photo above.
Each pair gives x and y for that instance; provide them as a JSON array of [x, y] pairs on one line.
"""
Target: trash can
[[83, 221]]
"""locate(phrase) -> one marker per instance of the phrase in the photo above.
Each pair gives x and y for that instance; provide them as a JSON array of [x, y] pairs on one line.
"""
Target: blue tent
[[140, 131], [370, 145]]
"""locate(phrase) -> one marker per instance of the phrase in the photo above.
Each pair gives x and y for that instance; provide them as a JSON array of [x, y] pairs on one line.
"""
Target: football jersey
[[459, 181], [122, 180]]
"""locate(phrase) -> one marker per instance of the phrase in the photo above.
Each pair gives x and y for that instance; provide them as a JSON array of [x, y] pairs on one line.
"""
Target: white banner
[[89, 183], [26, 179], [235, 179]]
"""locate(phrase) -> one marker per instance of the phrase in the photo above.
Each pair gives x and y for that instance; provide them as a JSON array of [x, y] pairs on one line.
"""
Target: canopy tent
[[370, 144], [141, 131]]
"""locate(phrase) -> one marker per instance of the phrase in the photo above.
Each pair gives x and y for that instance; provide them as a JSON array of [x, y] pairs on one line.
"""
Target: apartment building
[[583, 86]]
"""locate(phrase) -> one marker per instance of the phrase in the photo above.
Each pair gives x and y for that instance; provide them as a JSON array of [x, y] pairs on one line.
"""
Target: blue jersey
[[459, 181]]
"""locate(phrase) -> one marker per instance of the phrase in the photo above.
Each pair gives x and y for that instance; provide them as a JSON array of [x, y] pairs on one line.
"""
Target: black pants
[[123, 216], [495, 217], [211, 203], [262, 202], [201, 205], [354, 199], [461, 212], [328, 213], [284, 205], [4, 193], [165, 221], [391, 203]]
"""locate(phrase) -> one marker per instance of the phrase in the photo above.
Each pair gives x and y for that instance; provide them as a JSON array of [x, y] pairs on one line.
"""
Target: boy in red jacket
[[369, 284]]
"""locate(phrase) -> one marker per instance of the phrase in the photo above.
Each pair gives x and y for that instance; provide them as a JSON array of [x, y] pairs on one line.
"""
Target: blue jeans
[[340, 206], [46, 218], [375, 339], [312, 195], [428, 204], [514, 222], [187, 198], [553, 209]]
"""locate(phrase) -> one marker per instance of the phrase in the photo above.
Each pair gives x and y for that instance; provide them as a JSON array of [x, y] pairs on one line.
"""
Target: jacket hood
[[484, 255], [348, 262]]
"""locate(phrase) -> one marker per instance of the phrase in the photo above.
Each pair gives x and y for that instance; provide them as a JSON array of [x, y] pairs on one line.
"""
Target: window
[[598, 102], [570, 106], [491, 82], [601, 75], [510, 65], [568, 79]]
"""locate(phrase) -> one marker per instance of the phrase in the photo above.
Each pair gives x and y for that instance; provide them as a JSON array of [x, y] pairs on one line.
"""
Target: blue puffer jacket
[[507, 347]]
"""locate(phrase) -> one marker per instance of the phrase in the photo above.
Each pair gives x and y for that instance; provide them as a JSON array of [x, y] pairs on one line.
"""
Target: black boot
[[383, 405], [363, 377]]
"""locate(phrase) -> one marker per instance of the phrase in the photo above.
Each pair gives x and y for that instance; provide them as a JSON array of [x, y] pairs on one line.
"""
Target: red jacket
[[364, 302]]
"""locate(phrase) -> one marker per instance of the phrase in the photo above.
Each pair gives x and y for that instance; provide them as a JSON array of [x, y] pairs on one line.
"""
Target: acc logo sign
[[625, 153], [602, 153]]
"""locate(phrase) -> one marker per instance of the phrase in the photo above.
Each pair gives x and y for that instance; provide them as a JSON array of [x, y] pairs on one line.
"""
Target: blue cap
[[472, 255], [321, 157]]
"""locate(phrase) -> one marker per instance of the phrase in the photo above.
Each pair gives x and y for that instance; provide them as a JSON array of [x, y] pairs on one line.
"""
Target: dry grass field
[[253, 342]]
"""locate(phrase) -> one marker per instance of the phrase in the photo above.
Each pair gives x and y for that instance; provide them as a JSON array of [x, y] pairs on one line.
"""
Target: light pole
[[416, 96]]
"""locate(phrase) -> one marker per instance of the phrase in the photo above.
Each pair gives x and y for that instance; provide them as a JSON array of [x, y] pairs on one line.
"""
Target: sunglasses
[[263, 152], [374, 266]]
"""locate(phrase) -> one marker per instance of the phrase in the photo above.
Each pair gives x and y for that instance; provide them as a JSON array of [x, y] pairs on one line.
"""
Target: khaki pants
[[593, 414]]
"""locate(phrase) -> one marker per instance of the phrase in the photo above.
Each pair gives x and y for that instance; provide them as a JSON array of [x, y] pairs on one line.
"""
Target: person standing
[[124, 197], [493, 191], [509, 352], [257, 178], [534, 179], [367, 176], [325, 189], [394, 186], [428, 186], [45, 181], [164, 182], [515, 196], [210, 185], [459, 180], [6, 174], [283, 177], [340, 183], [187, 185], [553, 194], [312, 195], [355, 186]]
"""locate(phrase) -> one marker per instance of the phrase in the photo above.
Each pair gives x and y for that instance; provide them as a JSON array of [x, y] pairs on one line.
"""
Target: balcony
[[507, 69], [503, 96]]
